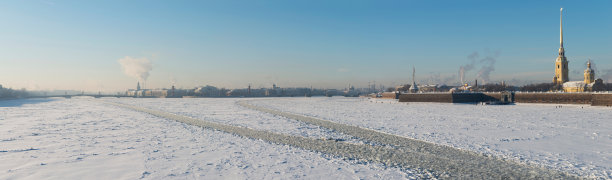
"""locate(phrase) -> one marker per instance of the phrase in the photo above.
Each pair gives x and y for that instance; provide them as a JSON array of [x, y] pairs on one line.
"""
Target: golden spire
[[561, 26], [561, 50]]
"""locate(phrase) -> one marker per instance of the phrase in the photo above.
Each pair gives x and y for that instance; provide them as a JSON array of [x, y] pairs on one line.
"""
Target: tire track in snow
[[448, 162]]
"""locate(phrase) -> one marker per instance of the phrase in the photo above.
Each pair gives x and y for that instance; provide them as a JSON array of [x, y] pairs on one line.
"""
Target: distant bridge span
[[82, 95]]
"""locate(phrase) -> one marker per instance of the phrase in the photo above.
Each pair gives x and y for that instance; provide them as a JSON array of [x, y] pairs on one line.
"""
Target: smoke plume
[[136, 67], [468, 67], [606, 75], [486, 69], [487, 65]]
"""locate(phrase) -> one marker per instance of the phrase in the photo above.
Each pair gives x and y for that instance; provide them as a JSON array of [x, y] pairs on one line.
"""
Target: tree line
[[7, 93]]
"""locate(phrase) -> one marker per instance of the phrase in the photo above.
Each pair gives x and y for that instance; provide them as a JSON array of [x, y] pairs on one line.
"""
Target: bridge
[[80, 95]]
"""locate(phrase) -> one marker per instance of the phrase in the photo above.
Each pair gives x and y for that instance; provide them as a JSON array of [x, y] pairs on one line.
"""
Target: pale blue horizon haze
[[76, 45]]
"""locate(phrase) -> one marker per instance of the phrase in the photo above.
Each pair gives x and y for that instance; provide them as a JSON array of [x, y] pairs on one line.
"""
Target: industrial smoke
[[487, 65], [466, 68], [138, 68]]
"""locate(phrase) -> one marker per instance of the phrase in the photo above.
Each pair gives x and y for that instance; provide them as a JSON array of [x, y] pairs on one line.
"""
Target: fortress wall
[[441, 97], [450, 97], [492, 96], [388, 95], [555, 98], [468, 97], [602, 100]]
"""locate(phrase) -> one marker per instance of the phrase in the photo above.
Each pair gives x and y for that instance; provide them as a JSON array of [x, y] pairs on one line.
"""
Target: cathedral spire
[[561, 50], [561, 68], [413, 88], [561, 26]]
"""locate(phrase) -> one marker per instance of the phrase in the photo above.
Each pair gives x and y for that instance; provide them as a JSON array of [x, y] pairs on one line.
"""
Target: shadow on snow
[[20, 102]]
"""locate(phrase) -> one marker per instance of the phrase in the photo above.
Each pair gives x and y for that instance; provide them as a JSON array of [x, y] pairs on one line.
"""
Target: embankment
[[594, 99]]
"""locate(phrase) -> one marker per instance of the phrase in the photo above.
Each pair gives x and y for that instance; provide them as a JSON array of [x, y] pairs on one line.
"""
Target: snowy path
[[444, 160]]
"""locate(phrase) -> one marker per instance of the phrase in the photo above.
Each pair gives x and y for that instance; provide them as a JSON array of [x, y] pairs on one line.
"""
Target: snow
[[89, 139], [575, 139]]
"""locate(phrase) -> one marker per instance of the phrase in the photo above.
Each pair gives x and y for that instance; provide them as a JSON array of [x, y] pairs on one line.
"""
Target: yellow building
[[582, 86], [589, 74], [576, 86], [562, 70]]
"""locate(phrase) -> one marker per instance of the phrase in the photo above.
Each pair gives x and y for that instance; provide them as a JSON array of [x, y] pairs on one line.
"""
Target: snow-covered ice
[[226, 111], [572, 138], [88, 139]]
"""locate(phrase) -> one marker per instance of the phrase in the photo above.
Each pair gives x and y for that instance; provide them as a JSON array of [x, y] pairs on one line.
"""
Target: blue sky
[[54, 44]]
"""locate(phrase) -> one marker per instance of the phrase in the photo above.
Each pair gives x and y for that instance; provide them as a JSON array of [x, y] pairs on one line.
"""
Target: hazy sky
[[53, 44]]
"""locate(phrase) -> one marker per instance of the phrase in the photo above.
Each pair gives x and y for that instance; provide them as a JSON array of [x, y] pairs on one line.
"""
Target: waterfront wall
[[427, 97], [602, 100], [389, 95], [553, 98]]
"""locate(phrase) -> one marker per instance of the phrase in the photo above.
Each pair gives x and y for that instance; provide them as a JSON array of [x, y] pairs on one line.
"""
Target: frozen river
[[571, 138], [88, 138]]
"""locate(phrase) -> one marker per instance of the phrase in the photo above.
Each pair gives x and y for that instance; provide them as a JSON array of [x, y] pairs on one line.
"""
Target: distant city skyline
[[108, 46]]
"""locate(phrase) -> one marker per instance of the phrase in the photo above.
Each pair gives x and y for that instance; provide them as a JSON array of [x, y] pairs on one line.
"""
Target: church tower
[[413, 88], [589, 74], [561, 69]]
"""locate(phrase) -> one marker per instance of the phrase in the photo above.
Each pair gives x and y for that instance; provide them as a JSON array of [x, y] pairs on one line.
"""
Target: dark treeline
[[496, 88], [541, 87], [605, 87], [7, 93]]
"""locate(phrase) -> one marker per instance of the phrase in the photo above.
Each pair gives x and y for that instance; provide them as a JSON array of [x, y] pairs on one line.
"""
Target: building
[[413, 88], [141, 93], [561, 70], [589, 74], [588, 84], [208, 91]]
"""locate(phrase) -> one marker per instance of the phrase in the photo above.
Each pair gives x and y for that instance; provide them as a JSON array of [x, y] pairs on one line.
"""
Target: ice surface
[[226, 111], [87, 139], [575, 139]]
